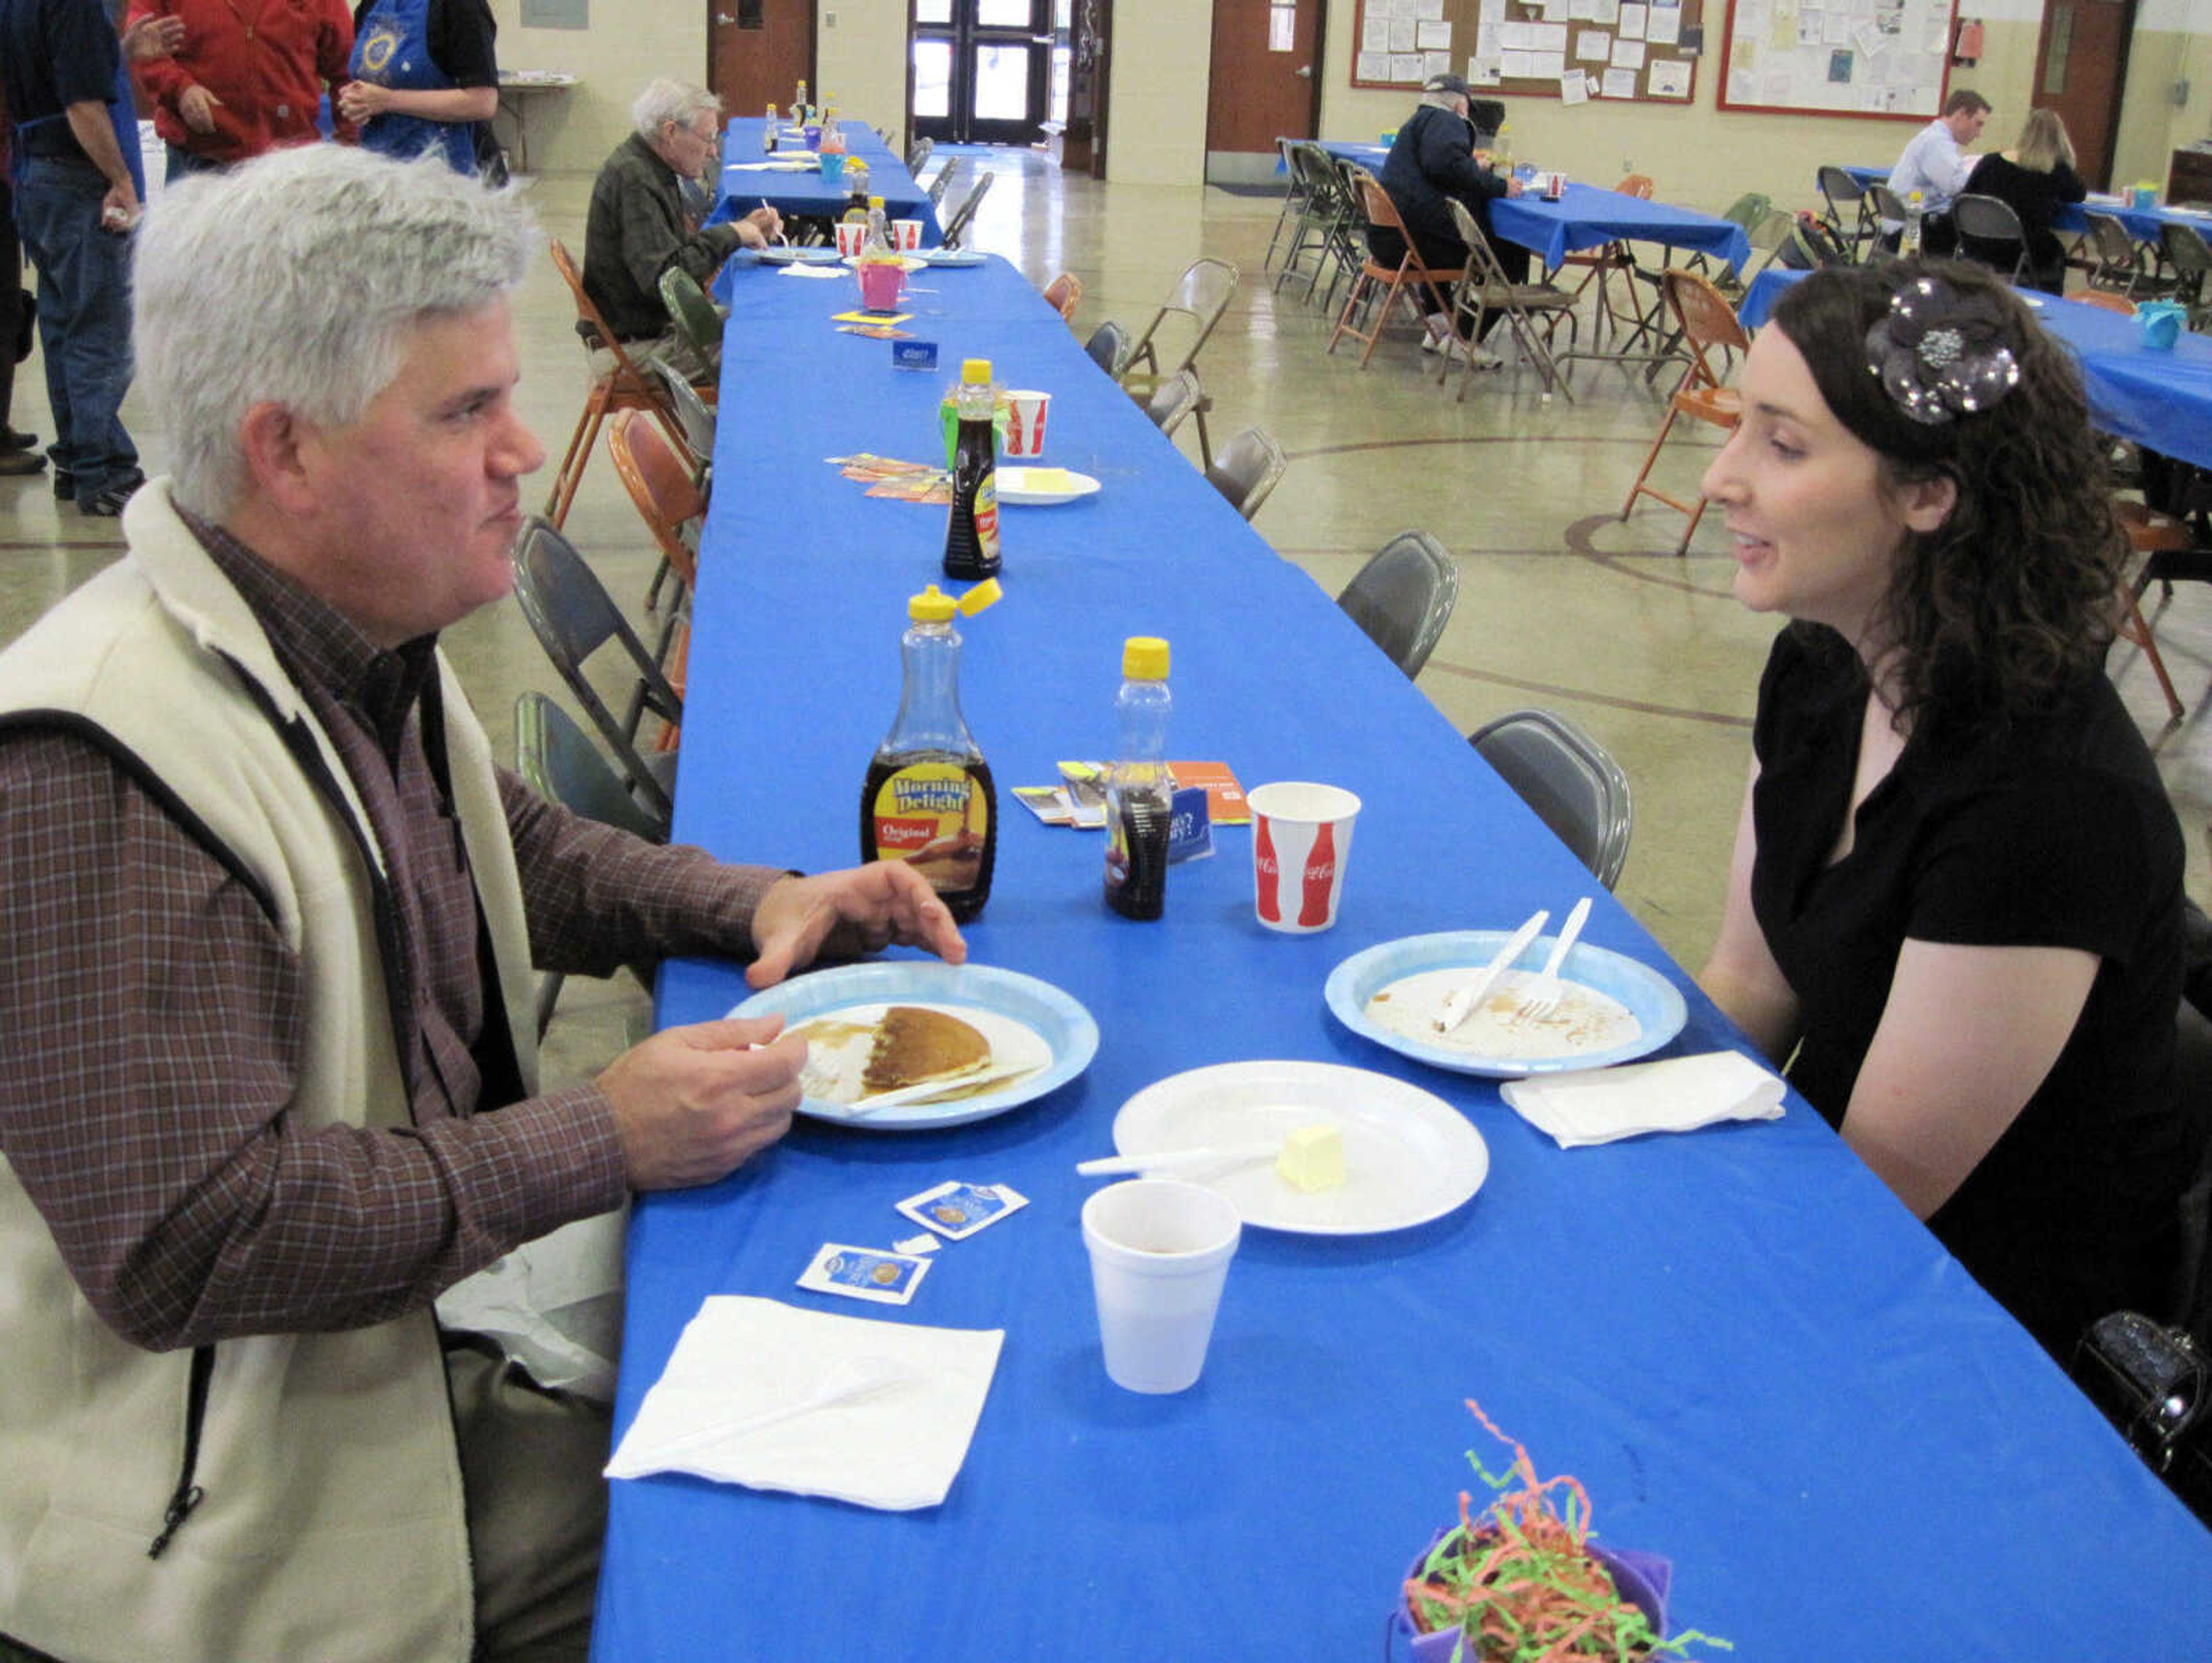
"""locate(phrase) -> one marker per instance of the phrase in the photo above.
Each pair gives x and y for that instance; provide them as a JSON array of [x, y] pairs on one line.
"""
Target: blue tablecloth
[[811, 194], [2161, 399], [1587, 216], [1756, 1361]]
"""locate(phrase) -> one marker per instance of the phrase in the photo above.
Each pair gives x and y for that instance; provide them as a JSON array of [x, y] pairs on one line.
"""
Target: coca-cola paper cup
[[852, 237], [1300, 838], [1025, 415], [906, 235]]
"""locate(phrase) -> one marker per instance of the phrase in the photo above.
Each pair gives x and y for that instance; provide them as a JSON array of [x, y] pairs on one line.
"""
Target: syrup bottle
[[971, 527], [928, 799]]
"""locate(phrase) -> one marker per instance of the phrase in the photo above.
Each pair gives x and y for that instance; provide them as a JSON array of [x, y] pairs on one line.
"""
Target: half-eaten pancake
[[915, 1046]]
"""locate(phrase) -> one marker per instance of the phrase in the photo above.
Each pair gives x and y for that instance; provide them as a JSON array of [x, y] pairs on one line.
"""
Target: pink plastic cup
[[881, 282]]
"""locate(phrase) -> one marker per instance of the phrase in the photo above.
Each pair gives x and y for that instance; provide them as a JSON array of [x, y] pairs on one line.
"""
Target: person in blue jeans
[[76, 202]]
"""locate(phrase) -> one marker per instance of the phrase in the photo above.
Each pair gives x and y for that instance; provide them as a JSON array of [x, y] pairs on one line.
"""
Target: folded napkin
[[812, 269], [764, 1394], [1597, 1105]]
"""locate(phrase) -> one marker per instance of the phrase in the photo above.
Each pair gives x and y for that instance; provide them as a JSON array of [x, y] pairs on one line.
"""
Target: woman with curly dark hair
[[1956, 890]]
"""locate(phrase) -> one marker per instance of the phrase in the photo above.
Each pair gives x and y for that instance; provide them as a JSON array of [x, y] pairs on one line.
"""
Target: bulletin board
[[1883, 60], [1575, 52]]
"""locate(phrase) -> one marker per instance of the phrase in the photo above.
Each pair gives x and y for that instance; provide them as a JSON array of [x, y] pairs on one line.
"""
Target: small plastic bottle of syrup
[[928, 799], [971, 529], [1139, 790]]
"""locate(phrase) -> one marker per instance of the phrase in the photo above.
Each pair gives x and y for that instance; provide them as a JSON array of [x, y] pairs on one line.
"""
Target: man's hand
[[1512, 185], [197, 105], [858, 910], [760, 228], [119, 211], [691, 1104], [152, 37]]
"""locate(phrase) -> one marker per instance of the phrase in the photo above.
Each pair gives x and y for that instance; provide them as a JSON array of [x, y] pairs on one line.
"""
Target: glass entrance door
[[982, 69]]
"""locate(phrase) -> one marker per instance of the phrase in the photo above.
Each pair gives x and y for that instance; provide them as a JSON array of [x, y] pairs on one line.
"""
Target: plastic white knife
[[1461, 1004]]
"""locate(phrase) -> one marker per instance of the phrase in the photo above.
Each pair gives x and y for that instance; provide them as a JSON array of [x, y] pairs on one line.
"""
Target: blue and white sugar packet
[[957, 1211], [869, 1273]]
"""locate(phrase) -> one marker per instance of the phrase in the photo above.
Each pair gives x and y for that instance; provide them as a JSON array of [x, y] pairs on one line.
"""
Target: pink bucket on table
[[881, 282]]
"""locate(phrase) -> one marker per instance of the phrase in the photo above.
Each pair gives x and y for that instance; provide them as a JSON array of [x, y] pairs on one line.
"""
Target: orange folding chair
[[1411, 275], [1598, 265], [624, 386], [1063, 295], [1708, 325], [666, 493]]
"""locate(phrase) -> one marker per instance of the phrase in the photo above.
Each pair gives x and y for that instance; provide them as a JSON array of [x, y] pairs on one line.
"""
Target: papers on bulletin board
[[1667, 78], [1662, 25], [1627, 55], [1592, 46], [1873, 57], [1435, 37], [1573, 89], [1620, 83]]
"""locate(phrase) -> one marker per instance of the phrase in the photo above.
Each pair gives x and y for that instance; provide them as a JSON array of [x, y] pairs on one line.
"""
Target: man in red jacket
[[248, 78]]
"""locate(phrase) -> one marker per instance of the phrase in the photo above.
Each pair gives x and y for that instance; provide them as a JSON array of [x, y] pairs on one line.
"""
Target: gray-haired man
[[269, 921], [640, 225]]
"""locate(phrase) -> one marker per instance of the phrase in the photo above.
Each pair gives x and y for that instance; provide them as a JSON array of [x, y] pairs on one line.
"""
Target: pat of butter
[[1048, 479], [1312, 1157]]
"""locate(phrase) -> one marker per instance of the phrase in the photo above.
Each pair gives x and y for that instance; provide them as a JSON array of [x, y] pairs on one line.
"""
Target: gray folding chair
[[956, 229], [1988, 233], [1294, 202], [1173, 405], [2116, 261], [1109, 346], [558, 760], [1840, 191], [1404, 597], [918, 158], [693, 416], [1566, 777], [935, 189], [1533, 311], [2188, 256], [1200, 297], [1247, 470], [573, 617]]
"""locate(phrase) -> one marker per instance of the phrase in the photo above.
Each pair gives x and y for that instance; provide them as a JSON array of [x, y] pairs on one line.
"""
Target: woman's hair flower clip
[[1940, 354]]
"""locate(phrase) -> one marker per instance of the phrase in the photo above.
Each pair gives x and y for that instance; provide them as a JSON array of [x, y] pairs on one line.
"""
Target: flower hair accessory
[[1939, 355]]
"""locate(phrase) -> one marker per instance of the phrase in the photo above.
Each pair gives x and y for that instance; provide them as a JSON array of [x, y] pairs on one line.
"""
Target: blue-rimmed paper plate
[[787, 254], [1649, 996], [951, 257], [1062, 1025]]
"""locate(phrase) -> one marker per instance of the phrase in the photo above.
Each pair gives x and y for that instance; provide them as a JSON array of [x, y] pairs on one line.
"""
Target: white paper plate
[[953, 257], [909, 263], [786, 254], [1061, 1023], [1655, 1001], [1409, 1155], [1024, 487]]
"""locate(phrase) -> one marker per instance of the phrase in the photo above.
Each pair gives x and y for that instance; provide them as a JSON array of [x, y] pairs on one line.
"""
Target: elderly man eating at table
[[270, 917], [640, 225]]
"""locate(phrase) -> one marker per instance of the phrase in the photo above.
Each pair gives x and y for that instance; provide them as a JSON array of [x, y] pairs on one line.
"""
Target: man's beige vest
[[328, 1521]]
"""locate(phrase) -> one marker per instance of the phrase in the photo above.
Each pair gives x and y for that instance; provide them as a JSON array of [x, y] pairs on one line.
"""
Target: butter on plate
[[1312, 1158]]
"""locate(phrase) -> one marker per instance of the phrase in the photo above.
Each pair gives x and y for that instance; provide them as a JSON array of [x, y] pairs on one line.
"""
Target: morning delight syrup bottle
[[928, 799]]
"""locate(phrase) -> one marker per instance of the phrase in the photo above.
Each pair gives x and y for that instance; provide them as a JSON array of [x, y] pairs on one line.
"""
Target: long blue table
[[2161, 399], [1757, 1362], [744, 188]]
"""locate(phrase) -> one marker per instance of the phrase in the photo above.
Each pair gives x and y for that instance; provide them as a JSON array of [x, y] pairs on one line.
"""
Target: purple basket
[[1642, 1578]]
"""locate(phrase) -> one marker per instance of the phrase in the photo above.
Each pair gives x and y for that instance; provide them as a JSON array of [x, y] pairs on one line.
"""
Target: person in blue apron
[[425, 79], [78, 188]]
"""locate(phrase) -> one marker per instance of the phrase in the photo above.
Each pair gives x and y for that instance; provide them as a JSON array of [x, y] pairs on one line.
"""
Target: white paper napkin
[[812, 269], [1597, 1105], [897, 1447]]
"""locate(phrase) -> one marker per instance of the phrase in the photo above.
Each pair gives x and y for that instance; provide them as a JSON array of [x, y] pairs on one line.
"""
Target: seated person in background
[[1956, 890], [2033, 179], [638, 226], [1933, 164], [1434, 159], [269, 925]]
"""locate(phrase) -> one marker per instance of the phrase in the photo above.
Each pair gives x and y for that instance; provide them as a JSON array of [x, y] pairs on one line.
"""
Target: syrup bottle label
[[932, 817], [987, 515]]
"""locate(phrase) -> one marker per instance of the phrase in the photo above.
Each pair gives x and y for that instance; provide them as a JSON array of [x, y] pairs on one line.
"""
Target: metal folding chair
[[1575, 787], [1108, 347], [1246, 470], [1403, 597], [1411, 276], [1063, 295], [1191, 309], [1989, 230], [623, 385], [1840, 191], [1708, 325], [698, 325], [557, 760], [1177, 399], [1488, 289], [956, 229]]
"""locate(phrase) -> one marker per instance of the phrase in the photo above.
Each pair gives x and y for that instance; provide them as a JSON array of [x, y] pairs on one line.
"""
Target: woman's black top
[[2037, 198], [2059, 835]]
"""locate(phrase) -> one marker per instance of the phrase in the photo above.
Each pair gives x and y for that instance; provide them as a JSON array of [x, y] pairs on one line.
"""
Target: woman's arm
[[1967, 1036], [1741, 976]]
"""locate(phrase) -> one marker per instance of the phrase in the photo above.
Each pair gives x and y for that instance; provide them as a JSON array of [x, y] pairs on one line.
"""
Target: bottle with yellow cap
[[971, 529], [928, 799], [1139, 790]]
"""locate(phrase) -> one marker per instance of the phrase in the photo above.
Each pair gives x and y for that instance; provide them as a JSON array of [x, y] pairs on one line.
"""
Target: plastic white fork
[[1544, 993]]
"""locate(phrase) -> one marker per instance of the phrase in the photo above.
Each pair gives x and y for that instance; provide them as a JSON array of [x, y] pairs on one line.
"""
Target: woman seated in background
[[1956, 890], [2034, 179]]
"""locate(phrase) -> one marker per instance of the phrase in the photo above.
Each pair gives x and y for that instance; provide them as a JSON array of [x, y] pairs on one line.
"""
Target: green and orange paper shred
[[1518, 1581]]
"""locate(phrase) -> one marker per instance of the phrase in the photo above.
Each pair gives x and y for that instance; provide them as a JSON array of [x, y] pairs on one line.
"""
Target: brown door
[[2080, 66], [1091, 28], [1266, 81], [758, 51]]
